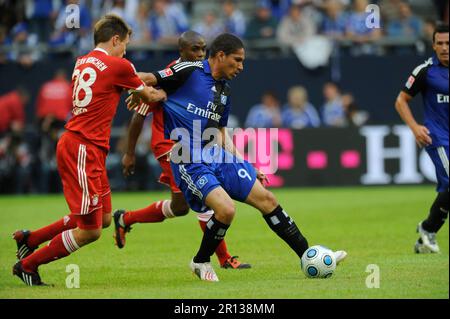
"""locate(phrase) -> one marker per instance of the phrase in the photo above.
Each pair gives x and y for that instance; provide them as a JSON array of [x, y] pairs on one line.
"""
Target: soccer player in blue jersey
[[205, 163], [431, 79]]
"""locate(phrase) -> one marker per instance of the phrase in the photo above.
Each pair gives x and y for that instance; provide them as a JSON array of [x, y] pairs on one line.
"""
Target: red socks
[[43, 234], [61, 246], [150, 214]]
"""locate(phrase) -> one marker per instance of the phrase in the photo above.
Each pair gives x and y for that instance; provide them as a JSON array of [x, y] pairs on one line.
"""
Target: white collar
[[101, 50]]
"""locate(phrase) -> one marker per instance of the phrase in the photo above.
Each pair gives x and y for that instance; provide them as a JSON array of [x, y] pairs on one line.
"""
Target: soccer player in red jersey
[[98, 80], [192, 47]]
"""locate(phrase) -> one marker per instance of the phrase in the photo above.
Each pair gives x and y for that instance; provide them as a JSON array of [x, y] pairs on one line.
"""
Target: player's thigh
[[196, 181], [262, 199], [80, 166], [222, 205], [238, 178]]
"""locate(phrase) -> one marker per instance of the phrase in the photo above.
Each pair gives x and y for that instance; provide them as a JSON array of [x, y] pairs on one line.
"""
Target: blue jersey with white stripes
[[196, 102], [431, 79]]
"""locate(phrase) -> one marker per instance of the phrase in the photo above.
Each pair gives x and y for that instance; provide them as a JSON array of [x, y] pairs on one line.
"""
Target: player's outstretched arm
[[421, 133], [129, 158], [147, 95], [148, 78]]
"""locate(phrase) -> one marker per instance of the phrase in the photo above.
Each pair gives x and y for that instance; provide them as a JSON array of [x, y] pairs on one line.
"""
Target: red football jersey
[[98, 80], [159, 144]]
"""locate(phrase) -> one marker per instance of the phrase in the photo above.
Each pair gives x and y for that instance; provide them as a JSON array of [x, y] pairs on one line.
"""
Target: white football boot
[[339, 255], [429, 243], [204, 271]]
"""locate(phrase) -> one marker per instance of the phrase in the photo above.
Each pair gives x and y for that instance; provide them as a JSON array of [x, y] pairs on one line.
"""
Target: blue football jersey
[[431, 79], [195, 102]]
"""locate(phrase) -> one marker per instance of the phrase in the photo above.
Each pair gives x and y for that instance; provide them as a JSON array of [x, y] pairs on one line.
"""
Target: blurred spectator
[[267, 114], [55, 98], [295, 28], [176, 9], [390, 10], [165, 27], [358, 32], [127, 9], [12, 106], [234, 19], [15, 157], [334, 22], [53, 107], [406, 25], [141, 34], [3, 41], [263, 25], [22, 45], [41, 15], [209, 27], [299, 112], [355, 117], [63, 35], [333, 111], [428, 28]]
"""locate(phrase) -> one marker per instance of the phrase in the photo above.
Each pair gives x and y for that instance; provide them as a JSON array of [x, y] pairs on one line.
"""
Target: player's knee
[[227, 211], [85, 236], [269, 201], [106, 220], [93, 235], [179, 209]]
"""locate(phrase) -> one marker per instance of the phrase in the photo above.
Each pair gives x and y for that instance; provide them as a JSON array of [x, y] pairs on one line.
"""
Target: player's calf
[[179, 208], [277, 218], [86, 236]]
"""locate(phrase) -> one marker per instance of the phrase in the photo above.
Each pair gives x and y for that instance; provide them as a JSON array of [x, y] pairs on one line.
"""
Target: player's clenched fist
[[128, 164]]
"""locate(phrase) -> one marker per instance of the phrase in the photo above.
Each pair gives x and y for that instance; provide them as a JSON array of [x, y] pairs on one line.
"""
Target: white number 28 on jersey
[[81, 84]]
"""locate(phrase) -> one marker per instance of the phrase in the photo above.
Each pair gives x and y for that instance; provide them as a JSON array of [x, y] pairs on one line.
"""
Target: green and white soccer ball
[[318, 262]]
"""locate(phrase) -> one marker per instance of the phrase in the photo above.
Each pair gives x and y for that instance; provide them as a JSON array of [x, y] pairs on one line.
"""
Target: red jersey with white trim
[[98, 80], [159, 144]]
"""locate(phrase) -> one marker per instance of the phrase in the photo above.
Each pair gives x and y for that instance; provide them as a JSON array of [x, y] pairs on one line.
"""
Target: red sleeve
[[126, 76], [18, 113]]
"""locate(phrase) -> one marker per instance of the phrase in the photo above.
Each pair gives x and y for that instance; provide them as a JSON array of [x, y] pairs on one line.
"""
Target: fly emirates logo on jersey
[[82, 82], [209, 112]]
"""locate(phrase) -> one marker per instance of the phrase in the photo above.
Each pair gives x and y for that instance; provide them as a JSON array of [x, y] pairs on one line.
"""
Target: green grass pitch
[[376, 225]]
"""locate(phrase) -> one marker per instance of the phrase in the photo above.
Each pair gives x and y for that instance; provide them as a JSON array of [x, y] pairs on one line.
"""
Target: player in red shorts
[[98, 80], [192, 47]]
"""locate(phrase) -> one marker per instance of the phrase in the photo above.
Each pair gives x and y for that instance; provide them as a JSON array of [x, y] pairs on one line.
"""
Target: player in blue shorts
[[204, 161], [431, 79]]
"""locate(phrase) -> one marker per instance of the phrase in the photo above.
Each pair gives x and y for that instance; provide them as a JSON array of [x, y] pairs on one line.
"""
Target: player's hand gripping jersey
[[159, 144]]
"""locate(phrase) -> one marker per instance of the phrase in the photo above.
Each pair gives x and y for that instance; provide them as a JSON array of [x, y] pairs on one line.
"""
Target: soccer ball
[[318, 262]]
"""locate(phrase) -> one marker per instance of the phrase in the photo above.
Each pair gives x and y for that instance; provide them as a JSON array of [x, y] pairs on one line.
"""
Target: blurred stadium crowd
[[27, 25], [34, 30]]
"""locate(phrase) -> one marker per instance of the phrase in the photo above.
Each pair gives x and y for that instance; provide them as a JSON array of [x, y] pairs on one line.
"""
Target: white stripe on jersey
[[423, 65], [444, 158], [180, 66]]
